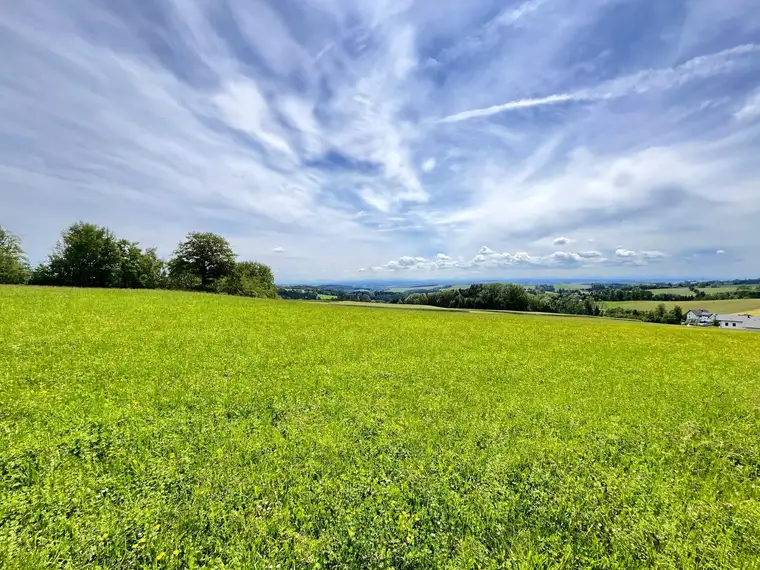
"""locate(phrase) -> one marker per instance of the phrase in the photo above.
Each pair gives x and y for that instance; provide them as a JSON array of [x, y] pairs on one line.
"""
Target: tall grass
[[174, 430]]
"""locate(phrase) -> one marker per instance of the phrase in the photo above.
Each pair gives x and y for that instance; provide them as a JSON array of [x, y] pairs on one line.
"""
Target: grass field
[[572, 286], [729, 307], [689, 292], [676, 291], [176, 430], [415, 289]]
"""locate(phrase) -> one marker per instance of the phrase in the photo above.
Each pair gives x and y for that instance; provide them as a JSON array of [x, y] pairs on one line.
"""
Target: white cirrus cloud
[[362, 130], [750, 110], [635, 84]]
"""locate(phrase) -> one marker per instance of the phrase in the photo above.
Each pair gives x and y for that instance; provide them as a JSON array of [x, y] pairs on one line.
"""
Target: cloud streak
[[356, 131], [634, 84]]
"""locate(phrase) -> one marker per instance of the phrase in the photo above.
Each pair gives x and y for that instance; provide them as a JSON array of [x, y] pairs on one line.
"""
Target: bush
[[248, 279], [183, 281]]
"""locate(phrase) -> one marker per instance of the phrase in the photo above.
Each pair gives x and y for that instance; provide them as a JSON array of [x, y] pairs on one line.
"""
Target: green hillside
[[685, 291], [729, 306], [149, 429]]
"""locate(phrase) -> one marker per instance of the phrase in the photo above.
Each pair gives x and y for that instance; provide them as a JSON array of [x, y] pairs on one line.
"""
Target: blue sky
[[354, 139]]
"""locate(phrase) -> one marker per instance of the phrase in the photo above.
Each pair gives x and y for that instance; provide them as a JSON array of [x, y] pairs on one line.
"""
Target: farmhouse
[[699, 316], [747, 322]]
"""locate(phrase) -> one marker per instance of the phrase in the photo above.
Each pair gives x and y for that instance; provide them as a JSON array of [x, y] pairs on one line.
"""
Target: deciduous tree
[[14, 266], [86, 256], [206, 256], [249, 279]]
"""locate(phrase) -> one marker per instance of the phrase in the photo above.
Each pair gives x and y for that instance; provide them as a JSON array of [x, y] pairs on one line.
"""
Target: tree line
[[312, 292], [513, 297], [508, 297], [88, 255], [659, 314], [619, 293]]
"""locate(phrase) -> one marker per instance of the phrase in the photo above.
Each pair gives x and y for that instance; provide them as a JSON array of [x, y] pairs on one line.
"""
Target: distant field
[[327, 297], [396, 306], [413, 289], [726, 289], [155, 429], [572, 286], [687, 291], [674, 291], [730, 307]]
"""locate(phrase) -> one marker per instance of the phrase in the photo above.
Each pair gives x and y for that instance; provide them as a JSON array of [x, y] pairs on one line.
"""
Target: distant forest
[[546, 298]]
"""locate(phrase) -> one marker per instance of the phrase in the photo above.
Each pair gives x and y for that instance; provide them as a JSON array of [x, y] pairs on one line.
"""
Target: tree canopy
[[249, 279], [140, 269], [87, 255], [14, 266], [206, 256]]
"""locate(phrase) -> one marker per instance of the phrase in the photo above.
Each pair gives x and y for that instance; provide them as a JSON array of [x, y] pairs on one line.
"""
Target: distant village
[[705, 318]]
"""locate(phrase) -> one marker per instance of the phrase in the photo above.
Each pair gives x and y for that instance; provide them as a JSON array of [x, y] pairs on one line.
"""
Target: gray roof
[[700, 312], [732, 318]]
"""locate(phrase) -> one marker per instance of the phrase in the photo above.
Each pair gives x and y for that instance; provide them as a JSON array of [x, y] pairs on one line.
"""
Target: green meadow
[[685, 291], [154, 429], [728, 306], [572, 287]]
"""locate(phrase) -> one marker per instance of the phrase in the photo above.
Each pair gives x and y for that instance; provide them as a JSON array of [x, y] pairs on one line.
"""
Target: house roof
[[735, 318], [747, 321], [700, 312]]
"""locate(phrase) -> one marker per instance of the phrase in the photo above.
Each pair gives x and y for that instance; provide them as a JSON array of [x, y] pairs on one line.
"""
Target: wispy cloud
[[353, 132], [634, 84], [750, 110]]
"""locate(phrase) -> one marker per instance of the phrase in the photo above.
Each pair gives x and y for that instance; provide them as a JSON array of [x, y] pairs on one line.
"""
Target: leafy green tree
[[86, 256], [152, 270], [183, 281], [140, 269], [249, 279], [206, 256], [129, 256], [511, 297], [14, 266], [42, 275]]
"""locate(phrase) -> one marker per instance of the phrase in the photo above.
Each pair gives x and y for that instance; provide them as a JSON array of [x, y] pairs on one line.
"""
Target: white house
[[747, 322], [699, 317]]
